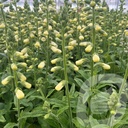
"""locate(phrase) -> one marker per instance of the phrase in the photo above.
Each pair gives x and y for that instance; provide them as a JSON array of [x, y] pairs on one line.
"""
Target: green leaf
[[101, 126], [86, 95], [93, 121], [83, 73], [2, 119], [10, 125], [61, 110], [35, 113], [79, 81], [99, 103], [79, 122], [50, 92], [72, 90]]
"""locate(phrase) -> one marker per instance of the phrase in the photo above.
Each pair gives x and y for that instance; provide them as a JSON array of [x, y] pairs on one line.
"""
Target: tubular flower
[[26, 41], [80, 62], [19, 94], [22, 64], [70, 47], [60, 85], [75, 68], [84, 44], [45, 33], [14, 67], [54, 61], [73, 43], [54, 44], [24, 50], [56, 68], [106, 66], [93, 3], [37, 45], [88, 48], [41, 65], [81, 37], [126, 32], [26, 84], [95, 58], [97, 28], [21, 76], [6, 80], [2, 26], [56, 50]]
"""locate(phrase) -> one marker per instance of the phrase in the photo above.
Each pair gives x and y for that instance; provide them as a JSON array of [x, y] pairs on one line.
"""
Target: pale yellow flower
[[54, 61], [26, 41], [88, 48], [95, 58], [21, 76], [106, 66], [13, 67], [56, 50], [37, 44], [6, 80], [41, 65], [26, 84], [19, 94], [60, 85], [80, 62]]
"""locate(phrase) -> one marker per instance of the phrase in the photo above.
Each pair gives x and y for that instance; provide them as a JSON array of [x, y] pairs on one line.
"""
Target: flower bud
[[73, 66], [37, 45], [73, 43], [45, 33], [46, 116], [22, 64], [56, 68], [105, 34], [21, 76], [105, 66], [6, 80], [19, 94], [60, 85], [95, 58], [88, 48], [70, 47], [84, 44], [24, 50], [80, 62], [54, 44], [126, 32], [54, 61], [78, 27], [98, 28], [113, 112], [56, 50], [26, 41], [81, 37], [26, 84], [18, 54], [41, 65], [93, 3], [14, 67], [2, 26], [32, 35]]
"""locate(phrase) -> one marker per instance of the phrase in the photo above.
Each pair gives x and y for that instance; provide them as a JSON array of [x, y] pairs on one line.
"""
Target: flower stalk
[[66, 76]]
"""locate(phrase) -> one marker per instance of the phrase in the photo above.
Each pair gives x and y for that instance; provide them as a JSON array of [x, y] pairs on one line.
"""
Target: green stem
[[18, 102], [124, 82], [47, 52], [93, 42], [66, 77]]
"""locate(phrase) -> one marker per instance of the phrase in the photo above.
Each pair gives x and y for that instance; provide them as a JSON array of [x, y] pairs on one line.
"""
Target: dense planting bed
[[63, 69]]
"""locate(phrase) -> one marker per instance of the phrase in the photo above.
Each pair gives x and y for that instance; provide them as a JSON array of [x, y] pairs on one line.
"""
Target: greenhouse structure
[[63, 63]]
